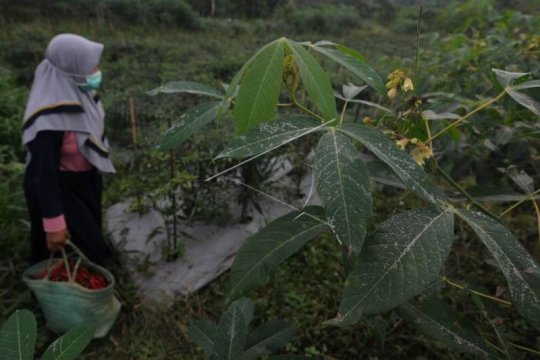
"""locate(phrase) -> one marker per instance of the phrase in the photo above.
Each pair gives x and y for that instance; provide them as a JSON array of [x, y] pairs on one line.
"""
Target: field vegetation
[[447, 50]]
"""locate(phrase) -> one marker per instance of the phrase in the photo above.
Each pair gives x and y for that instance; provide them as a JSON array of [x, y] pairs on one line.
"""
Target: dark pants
[[80, 194]]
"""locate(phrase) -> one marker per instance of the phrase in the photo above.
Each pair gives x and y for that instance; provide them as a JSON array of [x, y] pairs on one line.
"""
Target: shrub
[[323, 18]]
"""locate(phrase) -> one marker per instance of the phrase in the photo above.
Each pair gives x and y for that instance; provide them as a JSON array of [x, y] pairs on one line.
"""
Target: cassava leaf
[[518, 266], [71, 344], [189, 87], [271, 246], [412, 175], [232, 87], [351, 52], [18, 336], [524, 100], [259, 89], [189, 123], [507, 79], [247, 307], [527, 85], [269, 136], [268, 338], [354, 62], [523, 180], [231, 333], [432, 115], [492, 194], [381, 173], [437, 320], [350, 91], [203, 332], [402, 258], [344, 188], [315, 80]]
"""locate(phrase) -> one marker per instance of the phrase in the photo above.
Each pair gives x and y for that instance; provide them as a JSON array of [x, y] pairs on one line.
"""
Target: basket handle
[[72, 275]]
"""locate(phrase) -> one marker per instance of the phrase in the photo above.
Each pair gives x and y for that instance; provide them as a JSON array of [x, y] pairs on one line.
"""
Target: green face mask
[[93, 82]]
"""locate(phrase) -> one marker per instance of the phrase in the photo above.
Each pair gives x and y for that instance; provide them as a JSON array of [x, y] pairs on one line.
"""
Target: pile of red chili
[[85, 277]]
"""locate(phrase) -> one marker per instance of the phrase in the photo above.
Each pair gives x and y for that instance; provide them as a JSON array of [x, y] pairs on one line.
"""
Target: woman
[[67, 151]]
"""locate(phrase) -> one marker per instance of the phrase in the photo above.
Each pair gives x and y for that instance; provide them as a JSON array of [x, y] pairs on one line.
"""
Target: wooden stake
[[133, 121]]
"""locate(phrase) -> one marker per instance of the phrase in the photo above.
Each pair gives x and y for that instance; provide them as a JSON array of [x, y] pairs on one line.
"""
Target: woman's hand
[[57, 240]]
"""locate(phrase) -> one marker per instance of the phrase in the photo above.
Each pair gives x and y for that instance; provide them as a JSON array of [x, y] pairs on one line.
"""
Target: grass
[[306, 289]]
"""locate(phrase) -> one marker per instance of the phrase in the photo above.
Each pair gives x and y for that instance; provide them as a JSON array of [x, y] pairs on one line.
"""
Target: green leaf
[[232, 87], [231, 334], [71, 344], [524, 100], [437, 320], [203, 332], [517, 265], [527, 85], [189, 123], [247, 307], [507, 79], [402, 258], [523, 180], [18, 336], [344, 188], [350, 91], [432, 115], [269, 136], [355, 63], [266, 250], [381, 173], [268, 338], [412, 175], [290, 357], [315, 80], [492, 194], [259, 89], [189, 87], [349, 51]]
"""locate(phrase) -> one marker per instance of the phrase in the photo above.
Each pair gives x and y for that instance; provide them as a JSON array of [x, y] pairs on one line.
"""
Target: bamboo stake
[[133, 118]]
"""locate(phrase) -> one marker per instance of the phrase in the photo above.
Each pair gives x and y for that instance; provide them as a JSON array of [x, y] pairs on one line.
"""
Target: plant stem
[[524, 348], [527, 198], [343, 112], [517, 346], [537, 209], [465, 117], [504, 348], [493, 345], [417, 42], [305, 109], [466, 194], [428, 131], [461, 287]]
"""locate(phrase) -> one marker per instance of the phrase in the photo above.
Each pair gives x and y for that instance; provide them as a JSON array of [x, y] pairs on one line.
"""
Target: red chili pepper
[[85, 277]]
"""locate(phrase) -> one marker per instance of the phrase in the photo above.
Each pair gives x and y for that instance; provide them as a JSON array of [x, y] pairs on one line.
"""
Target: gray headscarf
[[56, 102]]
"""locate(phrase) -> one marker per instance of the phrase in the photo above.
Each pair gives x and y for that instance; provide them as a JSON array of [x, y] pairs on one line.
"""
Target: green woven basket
[[68, 304]]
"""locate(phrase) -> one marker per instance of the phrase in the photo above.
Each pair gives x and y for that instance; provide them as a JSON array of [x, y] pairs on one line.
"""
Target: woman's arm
[[45, 162]]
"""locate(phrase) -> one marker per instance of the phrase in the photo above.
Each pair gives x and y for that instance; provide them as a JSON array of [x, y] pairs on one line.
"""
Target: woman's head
[[74, 54]]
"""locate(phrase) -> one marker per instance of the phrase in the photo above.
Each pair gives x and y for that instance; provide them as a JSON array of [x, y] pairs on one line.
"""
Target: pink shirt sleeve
[[54, 224]]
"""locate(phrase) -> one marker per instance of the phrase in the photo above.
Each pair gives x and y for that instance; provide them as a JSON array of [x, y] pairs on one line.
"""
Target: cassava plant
[[230, 339], [18, 337], [282, 94]]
